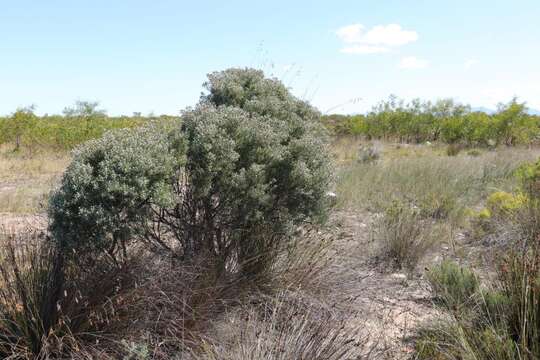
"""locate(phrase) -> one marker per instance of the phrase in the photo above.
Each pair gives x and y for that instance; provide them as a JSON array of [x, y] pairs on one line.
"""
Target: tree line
[[83, 121], [445, 120], [392, 120]]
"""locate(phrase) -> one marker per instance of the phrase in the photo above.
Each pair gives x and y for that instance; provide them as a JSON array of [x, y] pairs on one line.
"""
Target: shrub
[[28, 295], [369, 153], [502, 323], [19, 127], [445, 120], [51, 309], [454, 149], [529, 175], [474, 152], [109, 189], [248, 182], [246, 166], [438, 205], [453, 286], [520, 283], [405, 235], [501, 203]]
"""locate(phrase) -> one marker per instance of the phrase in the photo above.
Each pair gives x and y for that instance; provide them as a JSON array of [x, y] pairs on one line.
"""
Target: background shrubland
[[445, 120]]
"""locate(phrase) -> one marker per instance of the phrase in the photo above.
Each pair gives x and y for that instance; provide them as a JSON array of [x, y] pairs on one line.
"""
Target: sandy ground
[[386, 305]]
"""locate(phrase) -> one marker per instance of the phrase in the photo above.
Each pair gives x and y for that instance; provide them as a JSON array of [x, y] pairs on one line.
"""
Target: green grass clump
[[453, 285]]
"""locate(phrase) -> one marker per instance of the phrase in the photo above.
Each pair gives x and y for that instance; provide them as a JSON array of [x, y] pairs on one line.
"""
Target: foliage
[[250, 90], [503, 323], [109, 188], [26, 295], [453, 149], [248, 181], [18, 127], [230, 182], [82, 122], [501, 203], [529, 175], [453, 285], [443, 120]]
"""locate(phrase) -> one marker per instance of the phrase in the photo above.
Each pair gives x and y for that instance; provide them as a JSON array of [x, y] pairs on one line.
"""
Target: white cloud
[[389, 35], [379, 39], [350, 33], [470, 63], [364, 49], [412, 62]]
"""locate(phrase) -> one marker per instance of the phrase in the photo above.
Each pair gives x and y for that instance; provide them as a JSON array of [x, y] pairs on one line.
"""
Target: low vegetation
[[499, 321]]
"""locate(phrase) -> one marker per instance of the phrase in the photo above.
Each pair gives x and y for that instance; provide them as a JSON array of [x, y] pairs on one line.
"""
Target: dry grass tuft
[[285, 329]]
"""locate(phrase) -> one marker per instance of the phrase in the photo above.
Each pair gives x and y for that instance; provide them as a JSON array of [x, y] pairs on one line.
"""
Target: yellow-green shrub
[[529, 176], [502, 203]]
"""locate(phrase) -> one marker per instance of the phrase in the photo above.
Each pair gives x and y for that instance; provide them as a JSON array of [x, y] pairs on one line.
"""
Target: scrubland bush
[[502, 323], [253, 178], [18, 127], [48, 309], [369, 153], [453, 285], [107, 193], [405, 235], [28, 316], [501, 204], [230, 182], [529, 175], [474, 152], [83, 122]]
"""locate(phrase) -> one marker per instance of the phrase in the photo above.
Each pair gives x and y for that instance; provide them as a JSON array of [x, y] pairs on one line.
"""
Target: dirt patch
[[384, 304]]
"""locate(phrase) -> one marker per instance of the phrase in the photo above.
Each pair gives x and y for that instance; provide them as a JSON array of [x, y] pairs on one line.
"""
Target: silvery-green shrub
[[109, 188], [247, 165], [247, 182], [251, 91]]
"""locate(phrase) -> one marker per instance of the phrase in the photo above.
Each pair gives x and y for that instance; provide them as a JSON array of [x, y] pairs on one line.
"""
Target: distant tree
[[513, 123], [21, 124], [84, 110]]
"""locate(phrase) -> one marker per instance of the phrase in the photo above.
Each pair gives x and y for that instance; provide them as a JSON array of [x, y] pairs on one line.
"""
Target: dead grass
[[26, 180], [284, 329], [435, 183]]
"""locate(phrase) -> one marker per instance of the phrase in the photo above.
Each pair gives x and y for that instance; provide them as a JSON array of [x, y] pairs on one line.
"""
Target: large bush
[[255, 164], [249, 181]]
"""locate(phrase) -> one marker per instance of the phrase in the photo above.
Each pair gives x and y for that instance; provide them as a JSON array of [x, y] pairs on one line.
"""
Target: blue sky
[[343, 56]]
